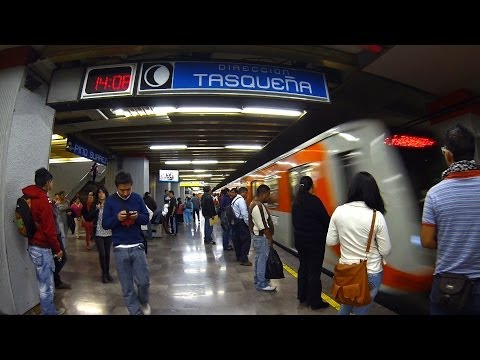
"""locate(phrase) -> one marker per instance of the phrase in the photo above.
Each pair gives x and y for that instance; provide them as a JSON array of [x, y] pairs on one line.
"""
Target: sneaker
[[147, 310], [60, 311], [268, 288], [63, 285], [246, 263]]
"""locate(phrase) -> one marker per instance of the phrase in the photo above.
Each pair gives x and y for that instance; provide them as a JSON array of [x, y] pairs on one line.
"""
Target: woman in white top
[[350, 226]]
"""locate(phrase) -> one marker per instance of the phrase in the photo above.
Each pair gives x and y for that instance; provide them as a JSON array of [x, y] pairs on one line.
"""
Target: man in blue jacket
[[123, 213]]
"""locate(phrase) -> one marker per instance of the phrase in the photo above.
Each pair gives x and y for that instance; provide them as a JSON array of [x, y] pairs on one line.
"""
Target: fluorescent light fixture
[[119, 112], [168, 147], [200, 162], [68, 160], [207, 110], [244, 147], [205, 147], [177, 162], [231, 162], [199, 170], [203, 175], [57, 137], [163, 110], [271, 111]]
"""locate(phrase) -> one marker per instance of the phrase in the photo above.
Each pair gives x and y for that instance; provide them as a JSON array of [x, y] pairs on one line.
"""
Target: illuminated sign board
[[225, 78], [191, 183], [168, 176], [108, 81], [81, 149]]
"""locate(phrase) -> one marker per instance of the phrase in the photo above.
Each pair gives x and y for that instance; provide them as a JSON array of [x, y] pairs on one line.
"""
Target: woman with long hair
[[350, 226], [310, 224], [103, 238]]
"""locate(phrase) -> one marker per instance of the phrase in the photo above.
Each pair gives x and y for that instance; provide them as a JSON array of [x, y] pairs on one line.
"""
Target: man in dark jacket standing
[[44, 240], [152, 205], [208, 212]]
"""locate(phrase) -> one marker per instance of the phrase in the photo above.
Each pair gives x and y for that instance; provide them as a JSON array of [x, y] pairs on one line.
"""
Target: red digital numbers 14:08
[[119, 82]]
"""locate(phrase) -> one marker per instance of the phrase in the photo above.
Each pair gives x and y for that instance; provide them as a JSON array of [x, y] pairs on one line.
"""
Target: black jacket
[[310, 223], [152, 205], [208, 208]]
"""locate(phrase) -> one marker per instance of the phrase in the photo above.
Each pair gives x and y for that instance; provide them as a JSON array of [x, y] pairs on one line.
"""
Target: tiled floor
[[187, 278]]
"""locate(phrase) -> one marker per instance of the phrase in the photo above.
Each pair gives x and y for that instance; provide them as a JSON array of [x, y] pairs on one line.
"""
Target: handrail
[[80, 185]]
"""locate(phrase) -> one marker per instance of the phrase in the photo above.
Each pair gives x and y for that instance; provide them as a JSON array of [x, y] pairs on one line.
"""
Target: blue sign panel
[[81, 149], [231, 78]]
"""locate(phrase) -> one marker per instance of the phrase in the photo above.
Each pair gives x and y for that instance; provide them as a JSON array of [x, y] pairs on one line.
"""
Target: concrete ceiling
[[395, 84]]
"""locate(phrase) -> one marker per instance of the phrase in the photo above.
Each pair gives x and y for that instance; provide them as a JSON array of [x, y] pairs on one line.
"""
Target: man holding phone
[[124, 213]]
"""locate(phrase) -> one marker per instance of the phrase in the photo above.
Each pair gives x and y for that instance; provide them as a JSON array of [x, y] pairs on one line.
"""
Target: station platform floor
[[187, 277]]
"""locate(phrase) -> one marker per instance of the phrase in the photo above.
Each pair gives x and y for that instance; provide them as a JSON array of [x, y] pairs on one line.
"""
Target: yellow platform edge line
[[325, 297]]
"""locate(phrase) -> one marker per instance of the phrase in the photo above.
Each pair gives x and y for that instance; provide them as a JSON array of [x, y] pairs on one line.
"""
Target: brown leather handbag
[[350, 282]]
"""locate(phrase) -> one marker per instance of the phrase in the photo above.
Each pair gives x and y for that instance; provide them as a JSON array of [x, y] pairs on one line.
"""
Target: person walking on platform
[[102, 237], [350, 226], [261, 226], [196, 208], [44, 240], [124, 213], [310, 225], [450, 224]]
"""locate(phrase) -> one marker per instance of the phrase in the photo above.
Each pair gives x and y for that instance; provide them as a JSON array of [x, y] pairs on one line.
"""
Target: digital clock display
[[107, 81]]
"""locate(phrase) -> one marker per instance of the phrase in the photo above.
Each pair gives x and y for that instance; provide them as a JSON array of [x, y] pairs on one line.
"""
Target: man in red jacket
[[45, 240]]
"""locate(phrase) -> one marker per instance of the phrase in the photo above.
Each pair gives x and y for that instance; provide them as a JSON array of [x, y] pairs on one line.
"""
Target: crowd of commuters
[[118, 219]]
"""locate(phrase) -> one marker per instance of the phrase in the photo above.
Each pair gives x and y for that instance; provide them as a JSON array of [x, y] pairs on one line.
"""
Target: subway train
[[404, 165]]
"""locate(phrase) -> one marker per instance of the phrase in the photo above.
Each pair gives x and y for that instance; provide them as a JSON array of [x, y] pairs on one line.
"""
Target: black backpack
[[230, 215], [23, 217]]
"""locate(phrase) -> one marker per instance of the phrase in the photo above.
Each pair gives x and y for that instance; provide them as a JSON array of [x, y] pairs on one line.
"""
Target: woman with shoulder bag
[[350, 226]]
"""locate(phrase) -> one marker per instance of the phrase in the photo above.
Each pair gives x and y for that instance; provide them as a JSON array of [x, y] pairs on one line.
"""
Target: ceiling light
[[204, 147], [270, 111], [207, 110], [168, 147], [57, 137], [200, 162], [177, 162], [163, 110], [119, 112], [244, 147], [67, 160], [232, 161]]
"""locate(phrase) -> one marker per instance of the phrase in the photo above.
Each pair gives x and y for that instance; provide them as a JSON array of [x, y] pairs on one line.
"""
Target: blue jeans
[[208, 230], [187, 214], [261, 247], [131, 264], [375, 280], [472, 306], [42, 258]]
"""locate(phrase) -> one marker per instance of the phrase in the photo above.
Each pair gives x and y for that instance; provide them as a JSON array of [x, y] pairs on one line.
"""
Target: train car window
[[294, 176], [424, 167], [272, 183]]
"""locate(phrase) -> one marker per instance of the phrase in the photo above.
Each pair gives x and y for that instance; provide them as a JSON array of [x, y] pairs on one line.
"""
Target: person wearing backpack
[[187, 211], [44, 240]]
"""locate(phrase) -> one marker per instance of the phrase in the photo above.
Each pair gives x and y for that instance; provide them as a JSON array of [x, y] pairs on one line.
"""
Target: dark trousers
[[309, 283], [166, 222], [173, 224], [59, 264], [241, 241], [104, 243], [196, 212]]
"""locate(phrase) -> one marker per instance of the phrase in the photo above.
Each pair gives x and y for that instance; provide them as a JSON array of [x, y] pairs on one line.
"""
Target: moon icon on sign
[[161, 74]]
